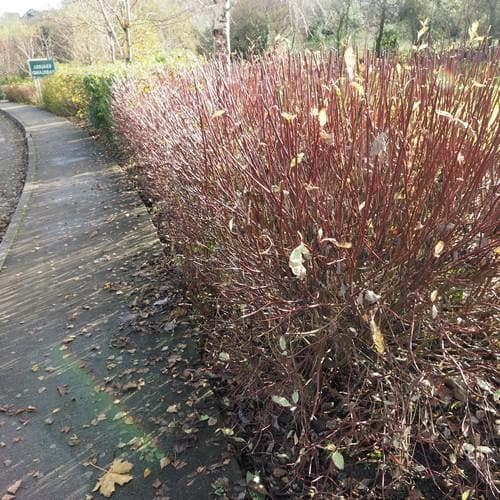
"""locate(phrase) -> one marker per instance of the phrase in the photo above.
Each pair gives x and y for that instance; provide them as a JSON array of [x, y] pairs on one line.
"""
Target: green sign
[[41, 67]]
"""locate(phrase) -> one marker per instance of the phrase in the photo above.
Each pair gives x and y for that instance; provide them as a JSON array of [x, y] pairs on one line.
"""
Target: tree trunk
[[343, 25], [109, 26], [221, 29], [126, 29], [112, 47]]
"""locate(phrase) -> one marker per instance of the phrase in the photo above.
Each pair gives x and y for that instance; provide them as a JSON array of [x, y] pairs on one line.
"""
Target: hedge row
[[341, 215]]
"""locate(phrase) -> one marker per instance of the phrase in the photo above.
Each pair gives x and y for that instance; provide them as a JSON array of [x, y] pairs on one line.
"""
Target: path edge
[[17, 217]]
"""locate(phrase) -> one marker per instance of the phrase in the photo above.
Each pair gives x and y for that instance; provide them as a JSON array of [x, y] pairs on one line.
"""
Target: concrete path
[[98, 359]]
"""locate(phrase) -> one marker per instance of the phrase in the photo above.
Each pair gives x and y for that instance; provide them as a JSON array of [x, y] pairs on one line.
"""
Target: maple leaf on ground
[[116, 474]]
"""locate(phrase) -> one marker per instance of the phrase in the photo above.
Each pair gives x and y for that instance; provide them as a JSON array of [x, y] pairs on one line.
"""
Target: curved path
[[97, 357]]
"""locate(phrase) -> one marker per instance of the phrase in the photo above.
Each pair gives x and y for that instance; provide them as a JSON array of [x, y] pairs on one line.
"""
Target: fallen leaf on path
[[11, 491], [130, 386], [13, 488], [118, 473], [12, 411], [147, 472], [179, 464], [172, 409], [62, 390], [74, 440]]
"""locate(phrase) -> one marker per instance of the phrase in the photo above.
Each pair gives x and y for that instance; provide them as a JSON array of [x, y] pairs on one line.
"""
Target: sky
[[21, 6]]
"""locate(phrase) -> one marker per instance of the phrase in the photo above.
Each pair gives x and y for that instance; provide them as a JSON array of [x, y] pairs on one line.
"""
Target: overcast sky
[[21, 6]]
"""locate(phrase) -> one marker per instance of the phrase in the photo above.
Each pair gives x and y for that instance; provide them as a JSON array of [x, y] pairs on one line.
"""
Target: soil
[[12, 170]]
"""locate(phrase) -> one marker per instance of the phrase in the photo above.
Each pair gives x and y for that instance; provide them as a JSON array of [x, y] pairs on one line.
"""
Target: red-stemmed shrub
[[342, 213]]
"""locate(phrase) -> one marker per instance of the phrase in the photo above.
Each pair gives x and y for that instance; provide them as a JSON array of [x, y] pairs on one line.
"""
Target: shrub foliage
[[22, 92], [342, 214], [82, 92]]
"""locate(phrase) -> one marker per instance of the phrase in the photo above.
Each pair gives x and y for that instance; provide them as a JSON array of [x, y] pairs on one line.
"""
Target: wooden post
[[38, 89]]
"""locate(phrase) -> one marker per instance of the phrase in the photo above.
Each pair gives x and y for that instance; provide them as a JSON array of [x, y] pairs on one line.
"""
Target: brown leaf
[[179, 464], [74, 440], [130, 386], [279, 472], [117, 474], [62, 390], [14, 487]]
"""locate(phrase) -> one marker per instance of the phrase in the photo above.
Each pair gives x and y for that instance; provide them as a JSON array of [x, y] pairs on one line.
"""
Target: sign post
[[38, 69]]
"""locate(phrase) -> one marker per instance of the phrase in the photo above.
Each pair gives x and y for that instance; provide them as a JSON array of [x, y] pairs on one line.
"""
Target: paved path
[[97, 357], [11, 169]]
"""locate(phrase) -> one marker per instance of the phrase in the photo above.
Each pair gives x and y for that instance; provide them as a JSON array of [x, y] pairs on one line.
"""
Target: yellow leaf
[[377, 337], [494, 116], [147, 472], [219, 113], [434, 295], [289, 117], [465, 495], [297, 160], [322, 117], [116, 474], [438, 249], [359, 88], [350, 62]]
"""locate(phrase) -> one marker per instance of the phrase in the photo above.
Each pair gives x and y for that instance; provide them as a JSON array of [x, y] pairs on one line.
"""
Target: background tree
[[221, 27]]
